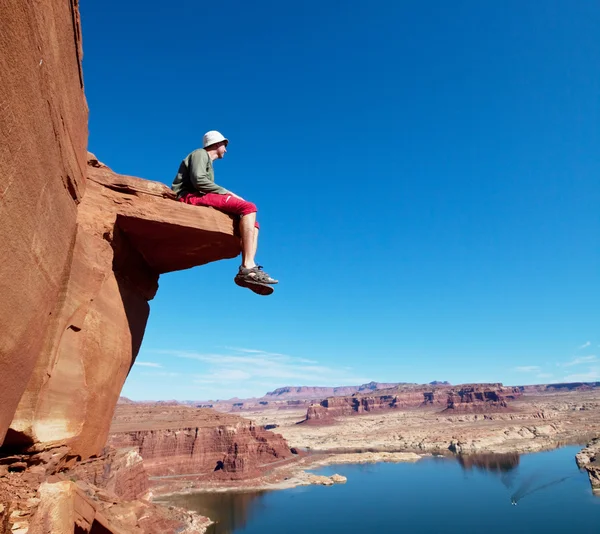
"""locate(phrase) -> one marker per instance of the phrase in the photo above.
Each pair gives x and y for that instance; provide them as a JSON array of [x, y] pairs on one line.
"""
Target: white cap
[[213, 137]]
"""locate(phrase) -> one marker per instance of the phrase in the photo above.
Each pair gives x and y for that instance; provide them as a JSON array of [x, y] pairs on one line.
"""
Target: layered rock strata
[[473, 398], [120, 472], [198, 442], [481, 398]]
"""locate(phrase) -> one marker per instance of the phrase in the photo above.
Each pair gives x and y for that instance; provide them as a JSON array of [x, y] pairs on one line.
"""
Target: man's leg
[[249, 271], [249, 240]]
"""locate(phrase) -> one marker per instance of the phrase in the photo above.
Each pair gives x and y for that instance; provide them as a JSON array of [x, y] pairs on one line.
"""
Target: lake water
[[434, 495]]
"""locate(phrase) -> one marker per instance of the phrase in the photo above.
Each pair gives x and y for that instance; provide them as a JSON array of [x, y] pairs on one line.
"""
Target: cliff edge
[[82, 251]]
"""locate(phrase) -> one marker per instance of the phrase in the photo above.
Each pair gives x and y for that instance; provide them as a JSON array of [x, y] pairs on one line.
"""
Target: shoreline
[[299, 473], [294, 475]]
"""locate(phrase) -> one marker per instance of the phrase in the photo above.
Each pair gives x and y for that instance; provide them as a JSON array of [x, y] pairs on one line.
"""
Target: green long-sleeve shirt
[[196, 175]]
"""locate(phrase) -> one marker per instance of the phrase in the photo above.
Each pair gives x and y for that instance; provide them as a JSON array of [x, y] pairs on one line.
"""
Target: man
[[195, 184]]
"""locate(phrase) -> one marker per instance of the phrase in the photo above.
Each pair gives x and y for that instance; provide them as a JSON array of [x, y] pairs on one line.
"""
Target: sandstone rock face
[[402, 397], [473, 398], [43, 139], [120, 472], [196, 441], [64, 507], [82, 246], [589, 459], [129, 231], [480, 398]]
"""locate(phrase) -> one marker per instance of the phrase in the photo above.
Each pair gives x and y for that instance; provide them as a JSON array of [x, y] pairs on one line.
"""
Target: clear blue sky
[[427, 176]]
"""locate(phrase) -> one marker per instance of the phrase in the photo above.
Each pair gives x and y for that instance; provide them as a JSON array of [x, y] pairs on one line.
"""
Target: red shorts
[[225, 203]]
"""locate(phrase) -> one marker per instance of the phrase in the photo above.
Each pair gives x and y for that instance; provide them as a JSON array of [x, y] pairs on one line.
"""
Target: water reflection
[[495, 462], [505, 467], [230, 511]]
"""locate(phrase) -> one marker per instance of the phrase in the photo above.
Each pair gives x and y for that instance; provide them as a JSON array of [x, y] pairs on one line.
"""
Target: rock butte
[[467, 398], [186, 441]]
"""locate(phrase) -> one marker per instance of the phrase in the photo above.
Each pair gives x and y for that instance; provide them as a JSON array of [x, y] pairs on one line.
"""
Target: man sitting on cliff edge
[[195, 184]]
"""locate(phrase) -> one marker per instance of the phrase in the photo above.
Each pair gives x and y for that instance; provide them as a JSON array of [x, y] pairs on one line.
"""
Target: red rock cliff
[[400, 397], [43, 140], [481, 398], [467, 398], [83, 247], [182, 440]]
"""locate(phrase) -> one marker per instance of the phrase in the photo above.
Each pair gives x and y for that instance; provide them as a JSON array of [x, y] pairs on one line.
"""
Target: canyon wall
[[466, 398], [82, 247], [43, 143], [129, 231], [202, 442], [481, 398]]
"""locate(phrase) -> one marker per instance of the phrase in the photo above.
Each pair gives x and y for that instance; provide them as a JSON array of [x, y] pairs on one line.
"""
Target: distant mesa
[[467, 398], [567, 386], [314, 392], [481, 398]]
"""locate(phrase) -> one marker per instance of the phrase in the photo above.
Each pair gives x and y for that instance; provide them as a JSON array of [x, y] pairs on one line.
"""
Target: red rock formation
[[469, 398], [184, 440], [129, 232], [43, 139], [480, 398], [400, 397], [64, 507], [83, 247], [120, 472]]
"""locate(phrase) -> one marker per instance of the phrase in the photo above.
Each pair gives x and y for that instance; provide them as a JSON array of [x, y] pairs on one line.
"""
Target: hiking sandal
[[257, 287], [255, 274]]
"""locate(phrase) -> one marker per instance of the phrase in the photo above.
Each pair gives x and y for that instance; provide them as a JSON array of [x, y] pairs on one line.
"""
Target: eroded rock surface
[[43, 139], [83, 247], [129, 232], [481, 398], [534, 423], [589, 459], [470, 398], [200, 442], [82, 250]]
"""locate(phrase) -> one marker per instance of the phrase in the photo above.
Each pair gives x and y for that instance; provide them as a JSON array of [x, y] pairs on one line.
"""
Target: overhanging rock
[[129, 231]]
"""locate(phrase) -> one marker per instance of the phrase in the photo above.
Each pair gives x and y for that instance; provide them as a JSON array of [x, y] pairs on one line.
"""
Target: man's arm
[[199, 175]]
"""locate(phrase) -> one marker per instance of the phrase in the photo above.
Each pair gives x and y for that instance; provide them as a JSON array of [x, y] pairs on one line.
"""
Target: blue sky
[[426, 175]]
